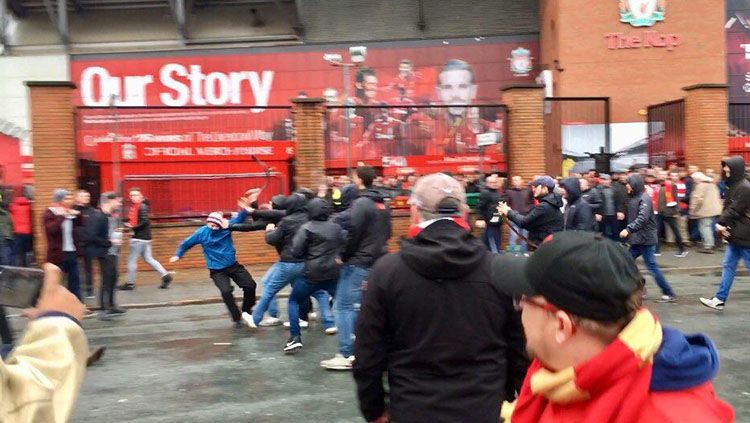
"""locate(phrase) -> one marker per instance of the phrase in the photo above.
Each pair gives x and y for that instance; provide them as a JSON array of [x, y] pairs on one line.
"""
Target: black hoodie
[[349, 193], [641, 219], [319, 243], [369, 229], [281, 237], [544, 219], [578, 214], [444, 331], [736, 214]]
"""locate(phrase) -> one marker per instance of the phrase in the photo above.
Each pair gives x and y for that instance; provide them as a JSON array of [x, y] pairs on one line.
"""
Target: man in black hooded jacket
[[734, 226], [577, 215], [435, 321], [545, 218]]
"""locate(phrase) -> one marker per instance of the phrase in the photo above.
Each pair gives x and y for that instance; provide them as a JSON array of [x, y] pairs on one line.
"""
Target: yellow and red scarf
[[611, 387]]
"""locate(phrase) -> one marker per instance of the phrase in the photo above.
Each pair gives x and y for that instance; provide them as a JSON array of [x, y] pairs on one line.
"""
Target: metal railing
[[666, 133]]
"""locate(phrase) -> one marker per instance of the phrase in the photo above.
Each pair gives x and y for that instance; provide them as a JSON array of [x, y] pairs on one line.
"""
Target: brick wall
[[53, 139], [308, 126], [706, 125], [527, 151]]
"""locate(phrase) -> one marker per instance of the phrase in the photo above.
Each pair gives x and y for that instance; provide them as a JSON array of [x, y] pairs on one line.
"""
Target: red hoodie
[[20, 210]]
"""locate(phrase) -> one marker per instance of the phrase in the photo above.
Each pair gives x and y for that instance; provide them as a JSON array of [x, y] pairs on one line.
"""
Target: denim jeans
[[300, 292], [492, 237], [346, 303], [648, 251], [278, 276], [516, 244], [6, 252], [706, 227], [731, 258], [69, 265]]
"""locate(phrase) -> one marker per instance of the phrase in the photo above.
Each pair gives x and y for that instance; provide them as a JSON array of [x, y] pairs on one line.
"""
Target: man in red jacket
[[599, 356], [20, 210]]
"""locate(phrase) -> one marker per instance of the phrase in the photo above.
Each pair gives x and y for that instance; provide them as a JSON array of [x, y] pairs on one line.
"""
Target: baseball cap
[[438, 193], [545, 180], [582, 273]]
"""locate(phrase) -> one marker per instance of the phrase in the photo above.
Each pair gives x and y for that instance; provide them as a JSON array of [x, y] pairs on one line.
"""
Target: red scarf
[[414, 230]]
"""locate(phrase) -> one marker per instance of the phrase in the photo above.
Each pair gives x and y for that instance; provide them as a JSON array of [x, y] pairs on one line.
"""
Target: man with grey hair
[[432, 317], [61, 222]]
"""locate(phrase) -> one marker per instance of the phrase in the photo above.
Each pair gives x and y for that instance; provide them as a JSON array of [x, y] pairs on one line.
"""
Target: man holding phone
[[103, 242]]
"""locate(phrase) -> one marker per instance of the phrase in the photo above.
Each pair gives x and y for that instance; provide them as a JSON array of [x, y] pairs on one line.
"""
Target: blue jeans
[[301, 292], [731, 258], [6, 252], [648, 251], [347, 301], [516, 244], [278, 276], [69, 265], [492, 237]]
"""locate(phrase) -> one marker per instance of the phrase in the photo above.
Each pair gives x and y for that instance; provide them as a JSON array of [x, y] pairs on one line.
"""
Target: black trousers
[[672, 223], [86, 263], [241, 277], [108, 266], [5, 333]]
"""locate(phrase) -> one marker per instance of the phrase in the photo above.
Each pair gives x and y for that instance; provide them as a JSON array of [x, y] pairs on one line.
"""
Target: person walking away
[[319, 242], [490, 221], [61, 223], [544, 218], [599, 355], [140, 242], [705, 207], [103, 242], [669, 210], [621, 201], [370, 228], [577, 214], [607, 216], [20, 211], [733, 226], [6, 232], [641, 233], [521, 199], [454, 365], [83, 206]]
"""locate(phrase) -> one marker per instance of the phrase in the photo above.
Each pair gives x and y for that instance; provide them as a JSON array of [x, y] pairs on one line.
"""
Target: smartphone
[[20, 287]]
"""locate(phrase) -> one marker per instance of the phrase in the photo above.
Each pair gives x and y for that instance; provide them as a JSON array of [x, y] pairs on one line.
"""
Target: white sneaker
[[303, 324], [249, 322], [270, 321], [338, 362], [713, 303], [332, 331], [312, 316], [666, 299]]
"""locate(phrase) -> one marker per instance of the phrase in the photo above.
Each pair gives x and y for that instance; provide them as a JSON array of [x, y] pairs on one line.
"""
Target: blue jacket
[[218, 248]]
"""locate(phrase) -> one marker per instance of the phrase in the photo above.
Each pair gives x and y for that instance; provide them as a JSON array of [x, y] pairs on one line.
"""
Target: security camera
[[358, 54]]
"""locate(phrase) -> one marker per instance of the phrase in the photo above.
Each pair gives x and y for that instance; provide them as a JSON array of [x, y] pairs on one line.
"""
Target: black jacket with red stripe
[[369, 229]]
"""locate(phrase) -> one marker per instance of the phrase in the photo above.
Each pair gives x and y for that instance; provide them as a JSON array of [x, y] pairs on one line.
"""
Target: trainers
[[312, 316], [165, 281], [713, 303], [126, 287], [338, 362], [249, 321], [116, 310], [681, 254], [302, 323], [666, 299], [293, 345], [270, 321], [332, 331], [657, 254]]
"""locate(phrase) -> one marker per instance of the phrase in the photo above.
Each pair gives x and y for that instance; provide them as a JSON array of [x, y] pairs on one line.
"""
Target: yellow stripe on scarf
[[558, 387], [642, 335]]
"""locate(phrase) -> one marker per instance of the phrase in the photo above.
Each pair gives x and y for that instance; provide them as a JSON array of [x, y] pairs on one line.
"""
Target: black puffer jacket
[[282, 236], [594, 197], [578, 212], [349, 193], [369, 229], [736, 214], [641, 219], [319, 243], [544, 219], [443, 330]]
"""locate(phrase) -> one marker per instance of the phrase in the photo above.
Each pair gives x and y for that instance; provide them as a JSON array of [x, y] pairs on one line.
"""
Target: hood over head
[[737, 169], [572, 186], [295, 203], [318, 209], [636, 183], [553, 199], [683, 361], [349, 193]]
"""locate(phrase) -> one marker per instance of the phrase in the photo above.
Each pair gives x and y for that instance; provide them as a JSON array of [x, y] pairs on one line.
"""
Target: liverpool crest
[[642, 12], [520, 61]]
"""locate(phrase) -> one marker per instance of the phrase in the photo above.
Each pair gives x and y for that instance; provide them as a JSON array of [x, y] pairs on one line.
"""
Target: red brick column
[[706, 117], [53, 140], [527, 151], [308, 115]]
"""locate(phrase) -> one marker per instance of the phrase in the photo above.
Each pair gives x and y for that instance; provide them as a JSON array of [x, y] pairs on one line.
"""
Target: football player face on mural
[[456, 87]]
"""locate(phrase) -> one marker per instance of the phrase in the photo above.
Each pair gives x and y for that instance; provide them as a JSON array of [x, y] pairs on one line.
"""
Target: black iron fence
[[666, 134]]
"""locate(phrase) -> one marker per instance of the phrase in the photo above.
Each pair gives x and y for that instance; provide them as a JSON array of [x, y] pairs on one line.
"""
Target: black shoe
[[706, 251], [116, 310], [126, 287], [95, 356], [165, 281], [293, 345], [238, 324]]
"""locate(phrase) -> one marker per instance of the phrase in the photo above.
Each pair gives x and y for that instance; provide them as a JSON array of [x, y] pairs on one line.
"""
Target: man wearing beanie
[[599, 356], [61, 222], [545, 218], [221, 260], [431, 318]]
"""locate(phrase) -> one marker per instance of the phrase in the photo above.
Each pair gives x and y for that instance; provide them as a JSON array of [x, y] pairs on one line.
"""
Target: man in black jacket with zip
[[103, 242], [545, 218], [577, 215], [437, 323]]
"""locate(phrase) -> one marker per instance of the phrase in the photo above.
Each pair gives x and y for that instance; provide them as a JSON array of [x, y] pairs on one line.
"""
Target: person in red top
[[383, 136], [20, 210], [599, 356]]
